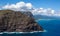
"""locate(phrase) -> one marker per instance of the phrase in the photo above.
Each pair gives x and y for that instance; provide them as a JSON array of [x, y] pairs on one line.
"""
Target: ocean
[[52, 27]]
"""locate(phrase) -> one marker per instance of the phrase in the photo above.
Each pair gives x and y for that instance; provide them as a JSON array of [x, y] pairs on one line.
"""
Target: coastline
[[22, 32]]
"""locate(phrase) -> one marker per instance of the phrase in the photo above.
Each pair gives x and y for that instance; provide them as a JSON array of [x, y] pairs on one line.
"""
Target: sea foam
[[22, 32]]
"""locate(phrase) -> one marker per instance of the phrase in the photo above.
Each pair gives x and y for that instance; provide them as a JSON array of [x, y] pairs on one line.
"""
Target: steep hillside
[[14, 21]]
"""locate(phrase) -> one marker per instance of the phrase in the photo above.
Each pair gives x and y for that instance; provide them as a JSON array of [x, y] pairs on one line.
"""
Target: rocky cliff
[[28, 13], [14, 21]]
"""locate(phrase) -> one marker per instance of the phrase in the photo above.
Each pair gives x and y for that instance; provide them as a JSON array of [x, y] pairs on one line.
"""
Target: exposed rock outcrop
[[13, 21], [29, 14]]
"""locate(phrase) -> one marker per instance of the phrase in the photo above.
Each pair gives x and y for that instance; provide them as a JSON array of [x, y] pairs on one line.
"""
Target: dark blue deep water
[[51, 26]]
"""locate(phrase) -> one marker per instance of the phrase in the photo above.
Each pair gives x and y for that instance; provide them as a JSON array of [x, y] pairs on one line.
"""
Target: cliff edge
[[14, 21]]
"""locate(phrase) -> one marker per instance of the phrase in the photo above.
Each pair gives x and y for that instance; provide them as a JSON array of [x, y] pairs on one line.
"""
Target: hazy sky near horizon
[[54, 4]]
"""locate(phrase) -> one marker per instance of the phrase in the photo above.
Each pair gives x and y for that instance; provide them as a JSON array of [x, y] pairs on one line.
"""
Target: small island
[[16, 21]]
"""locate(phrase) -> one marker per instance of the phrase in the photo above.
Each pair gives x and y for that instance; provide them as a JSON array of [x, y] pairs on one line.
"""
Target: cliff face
[[12, 21], [29, 14]]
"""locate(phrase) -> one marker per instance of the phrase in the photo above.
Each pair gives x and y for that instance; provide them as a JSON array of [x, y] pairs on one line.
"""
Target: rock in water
[[13, 21]]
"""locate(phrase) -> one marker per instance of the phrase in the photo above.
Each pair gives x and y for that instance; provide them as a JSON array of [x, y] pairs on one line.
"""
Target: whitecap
[[1, 33], [22, 32]]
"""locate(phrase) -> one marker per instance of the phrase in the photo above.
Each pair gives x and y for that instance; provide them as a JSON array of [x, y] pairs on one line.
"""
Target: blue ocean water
[[52, 27]]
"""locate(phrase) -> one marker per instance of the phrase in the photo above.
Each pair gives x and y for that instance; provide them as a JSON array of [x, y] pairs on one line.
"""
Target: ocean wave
[[22, 32], [45, 19]]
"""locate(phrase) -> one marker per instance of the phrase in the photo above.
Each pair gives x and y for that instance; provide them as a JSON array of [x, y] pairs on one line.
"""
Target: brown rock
[[17, 22]]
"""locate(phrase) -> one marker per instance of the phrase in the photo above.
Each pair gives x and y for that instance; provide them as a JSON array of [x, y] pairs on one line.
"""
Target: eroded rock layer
[[13, 21]]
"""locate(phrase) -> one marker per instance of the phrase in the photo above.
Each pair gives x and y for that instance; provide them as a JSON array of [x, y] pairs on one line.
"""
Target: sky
[[54, 4], [40, 6]]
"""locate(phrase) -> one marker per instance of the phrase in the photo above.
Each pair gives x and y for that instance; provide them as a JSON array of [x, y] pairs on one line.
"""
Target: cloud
[[47, 12], [18, 6], [29, 5], [22, 6]]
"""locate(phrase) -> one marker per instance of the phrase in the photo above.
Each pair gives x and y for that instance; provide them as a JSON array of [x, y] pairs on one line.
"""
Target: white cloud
[[47, 12], [29, 5], [18, 6], [22, 6]]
